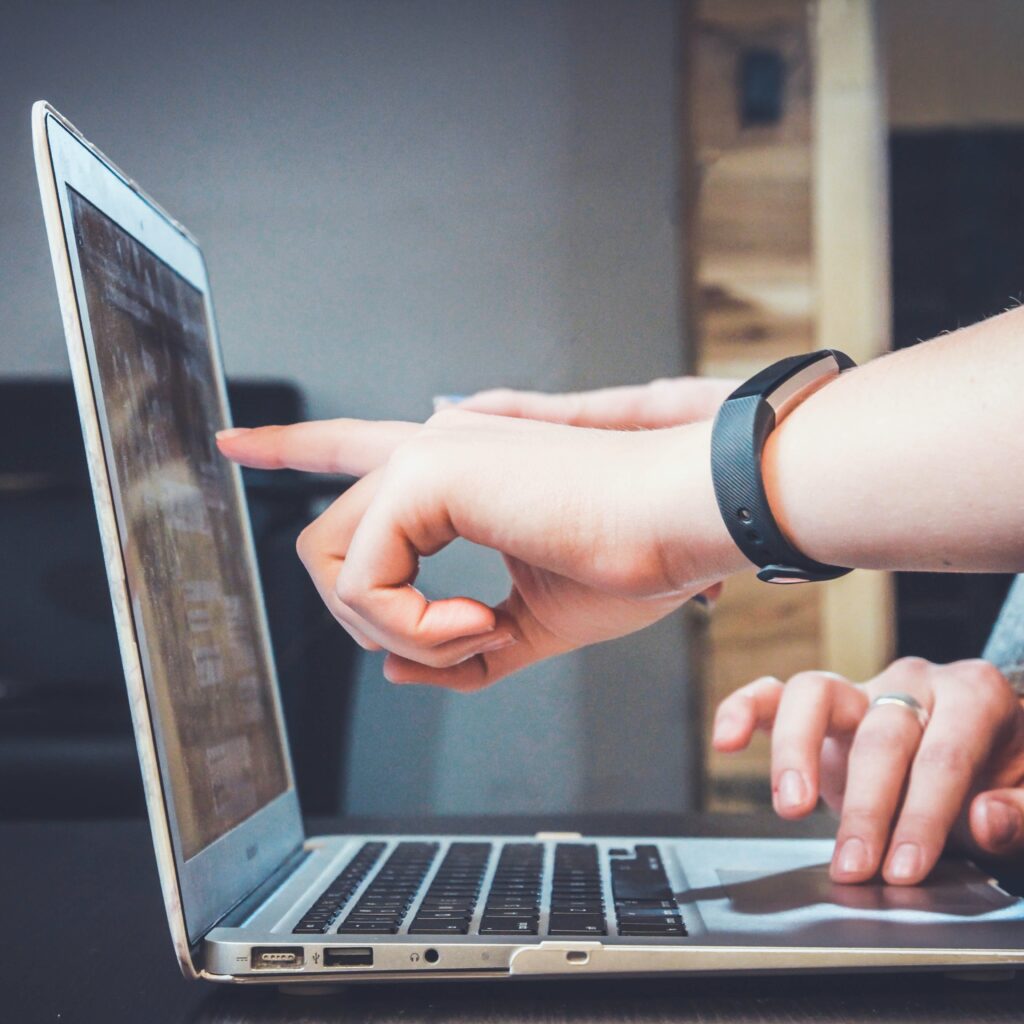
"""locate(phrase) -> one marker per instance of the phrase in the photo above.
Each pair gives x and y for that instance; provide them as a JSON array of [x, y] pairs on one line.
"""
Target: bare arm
[[914, 461]]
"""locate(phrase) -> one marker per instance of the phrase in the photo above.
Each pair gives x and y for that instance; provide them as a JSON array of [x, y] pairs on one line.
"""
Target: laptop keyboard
[[577, 906], [329, 906], [513, 901], [451, 899], [382, 908], [644, 905]]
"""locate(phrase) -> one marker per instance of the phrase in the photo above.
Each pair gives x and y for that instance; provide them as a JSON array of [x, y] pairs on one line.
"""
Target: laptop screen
[[181, 526]]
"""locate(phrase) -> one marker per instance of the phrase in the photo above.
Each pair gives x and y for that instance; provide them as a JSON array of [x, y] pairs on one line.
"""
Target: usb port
[[348, 956], [276, 958]]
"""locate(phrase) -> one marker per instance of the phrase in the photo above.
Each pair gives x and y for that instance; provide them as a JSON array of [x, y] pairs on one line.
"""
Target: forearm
[[914, 461]]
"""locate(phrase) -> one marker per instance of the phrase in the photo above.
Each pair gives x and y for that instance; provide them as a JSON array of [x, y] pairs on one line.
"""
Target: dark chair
[[66, 748]]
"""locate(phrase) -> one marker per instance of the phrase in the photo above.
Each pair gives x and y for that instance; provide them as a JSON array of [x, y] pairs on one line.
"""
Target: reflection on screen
[[182, 534]]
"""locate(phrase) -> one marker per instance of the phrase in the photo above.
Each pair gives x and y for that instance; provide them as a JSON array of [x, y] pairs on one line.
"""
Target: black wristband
[[742, 426]]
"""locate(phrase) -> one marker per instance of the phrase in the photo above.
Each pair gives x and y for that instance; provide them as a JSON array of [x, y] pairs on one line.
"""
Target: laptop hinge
[[248, 905]]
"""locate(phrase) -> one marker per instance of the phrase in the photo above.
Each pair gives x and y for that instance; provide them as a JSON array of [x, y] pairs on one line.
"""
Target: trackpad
[[803, 906], [946, 891]]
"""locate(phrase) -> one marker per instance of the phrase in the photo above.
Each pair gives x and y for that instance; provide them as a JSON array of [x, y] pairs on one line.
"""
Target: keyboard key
[[640, 889], [373, 927], [576, 924], [491, 925], [635, 928], [442, 928]]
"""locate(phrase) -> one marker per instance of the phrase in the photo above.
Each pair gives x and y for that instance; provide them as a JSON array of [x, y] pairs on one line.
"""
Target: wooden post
[[788, 252], [851, 250]]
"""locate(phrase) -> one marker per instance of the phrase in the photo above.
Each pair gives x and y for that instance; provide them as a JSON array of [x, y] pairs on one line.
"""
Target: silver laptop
[[249, 896]]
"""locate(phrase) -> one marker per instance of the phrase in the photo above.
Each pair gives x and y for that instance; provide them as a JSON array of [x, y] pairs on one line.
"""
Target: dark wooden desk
[[84, 939]]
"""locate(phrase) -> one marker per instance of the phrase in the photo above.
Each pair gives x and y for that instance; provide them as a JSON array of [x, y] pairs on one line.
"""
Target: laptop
[[249, 896]]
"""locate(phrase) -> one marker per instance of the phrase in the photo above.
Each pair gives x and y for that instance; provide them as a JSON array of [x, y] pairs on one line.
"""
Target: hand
[[900, 792], [667, 402], [603, 533]]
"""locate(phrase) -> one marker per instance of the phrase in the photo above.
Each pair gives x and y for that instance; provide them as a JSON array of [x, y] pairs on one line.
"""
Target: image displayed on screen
[[182, 534]]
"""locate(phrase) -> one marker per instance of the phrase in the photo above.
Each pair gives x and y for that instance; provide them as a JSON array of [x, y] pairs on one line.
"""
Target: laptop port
[[276, 958], [348, 956]]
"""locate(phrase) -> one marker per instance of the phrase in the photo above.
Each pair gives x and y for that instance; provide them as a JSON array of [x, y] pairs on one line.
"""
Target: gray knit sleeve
[[1005, 647]]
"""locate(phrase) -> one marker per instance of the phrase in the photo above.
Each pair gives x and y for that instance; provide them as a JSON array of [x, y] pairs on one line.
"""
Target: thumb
[[996, 820]]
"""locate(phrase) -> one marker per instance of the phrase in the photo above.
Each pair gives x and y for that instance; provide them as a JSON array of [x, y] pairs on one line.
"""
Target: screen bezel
[[212, 881]]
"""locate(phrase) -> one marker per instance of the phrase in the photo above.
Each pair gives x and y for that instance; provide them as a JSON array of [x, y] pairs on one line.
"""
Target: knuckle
[[861, 819], [447, 418], [349, 591], [364, 642], [409, 462], [986, 682], [575, 407], [807, 681], [497, 394], [912, 666], [272, 439], [762, 683], [304, 544]]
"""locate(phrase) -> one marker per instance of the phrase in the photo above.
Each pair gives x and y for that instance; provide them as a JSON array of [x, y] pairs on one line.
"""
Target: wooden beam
[[787, 237], [851, 259]]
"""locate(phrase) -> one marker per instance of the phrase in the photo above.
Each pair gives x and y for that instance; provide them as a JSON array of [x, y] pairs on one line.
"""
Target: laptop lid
[[180, 561]]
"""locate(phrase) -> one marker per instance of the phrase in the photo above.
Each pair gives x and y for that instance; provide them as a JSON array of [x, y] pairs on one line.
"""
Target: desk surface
[[84, 939]]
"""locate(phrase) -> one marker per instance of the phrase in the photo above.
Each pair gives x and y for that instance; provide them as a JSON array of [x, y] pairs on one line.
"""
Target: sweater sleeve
[[1005, 647]]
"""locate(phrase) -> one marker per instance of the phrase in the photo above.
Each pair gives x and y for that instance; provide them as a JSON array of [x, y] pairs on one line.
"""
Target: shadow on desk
[[906, 999]]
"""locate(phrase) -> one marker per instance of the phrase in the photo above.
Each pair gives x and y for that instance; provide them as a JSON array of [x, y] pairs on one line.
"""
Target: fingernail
[[223, 435], [906, 861], [792, 789], [853, 857], [1003, 821], [443, 401], [498, 643]]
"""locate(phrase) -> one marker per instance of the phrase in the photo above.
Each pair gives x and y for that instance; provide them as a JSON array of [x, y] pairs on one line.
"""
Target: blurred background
[[403, 198]]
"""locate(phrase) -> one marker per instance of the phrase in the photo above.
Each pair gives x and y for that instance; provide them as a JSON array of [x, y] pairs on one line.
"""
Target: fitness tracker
[[741, 428]]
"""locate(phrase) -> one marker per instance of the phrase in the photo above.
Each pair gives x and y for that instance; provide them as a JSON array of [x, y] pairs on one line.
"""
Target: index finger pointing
[[353, 447]]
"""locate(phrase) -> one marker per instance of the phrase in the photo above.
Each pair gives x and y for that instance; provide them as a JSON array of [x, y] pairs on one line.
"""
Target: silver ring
[[903, 700]]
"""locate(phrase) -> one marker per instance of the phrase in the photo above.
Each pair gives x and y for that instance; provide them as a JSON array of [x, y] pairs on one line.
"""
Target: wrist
[[800, 467], [696, 546]]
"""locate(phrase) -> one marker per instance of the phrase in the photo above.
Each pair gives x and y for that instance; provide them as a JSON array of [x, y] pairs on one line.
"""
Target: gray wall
[[399, 199]]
